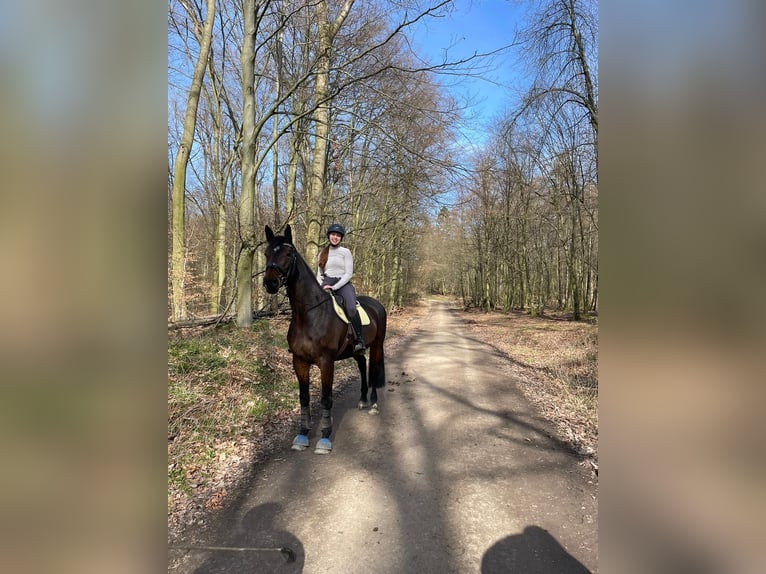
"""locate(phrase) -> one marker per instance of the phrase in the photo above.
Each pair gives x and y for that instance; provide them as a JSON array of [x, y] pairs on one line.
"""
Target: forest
[[310, 112]]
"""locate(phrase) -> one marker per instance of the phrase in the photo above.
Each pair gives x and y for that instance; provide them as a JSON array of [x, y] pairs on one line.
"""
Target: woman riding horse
[[336, 267], [317, 336]]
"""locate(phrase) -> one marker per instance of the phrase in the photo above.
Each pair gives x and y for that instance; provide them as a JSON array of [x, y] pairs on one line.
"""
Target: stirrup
[[359, 347]]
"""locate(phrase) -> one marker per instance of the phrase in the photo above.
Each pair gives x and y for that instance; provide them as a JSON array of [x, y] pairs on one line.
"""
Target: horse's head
[[280, 259]]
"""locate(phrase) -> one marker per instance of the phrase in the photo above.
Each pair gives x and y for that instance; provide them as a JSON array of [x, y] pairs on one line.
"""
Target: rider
[[336, 266]]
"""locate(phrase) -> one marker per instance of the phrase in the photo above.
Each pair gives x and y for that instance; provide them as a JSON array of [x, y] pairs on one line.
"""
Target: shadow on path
[[534, 551], [258, 530]]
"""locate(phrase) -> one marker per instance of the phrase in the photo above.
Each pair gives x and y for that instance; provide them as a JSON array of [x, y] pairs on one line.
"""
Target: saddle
[[342, 314]]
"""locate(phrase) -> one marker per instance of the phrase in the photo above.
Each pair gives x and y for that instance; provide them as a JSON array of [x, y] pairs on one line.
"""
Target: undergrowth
[[224, 384]]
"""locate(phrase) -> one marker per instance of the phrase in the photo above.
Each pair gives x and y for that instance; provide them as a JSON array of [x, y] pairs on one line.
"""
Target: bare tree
[[248, 150], [223, 153], [204, 38], [561, 42]]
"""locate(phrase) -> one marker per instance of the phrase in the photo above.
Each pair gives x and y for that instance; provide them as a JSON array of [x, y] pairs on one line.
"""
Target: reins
[[315, 305]]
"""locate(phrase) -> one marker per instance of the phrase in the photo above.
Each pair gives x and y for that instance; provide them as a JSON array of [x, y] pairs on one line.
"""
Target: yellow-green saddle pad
[[342, 314]]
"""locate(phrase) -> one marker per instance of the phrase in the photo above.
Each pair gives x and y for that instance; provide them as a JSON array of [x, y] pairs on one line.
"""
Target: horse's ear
[[289, 234], [269, 234]]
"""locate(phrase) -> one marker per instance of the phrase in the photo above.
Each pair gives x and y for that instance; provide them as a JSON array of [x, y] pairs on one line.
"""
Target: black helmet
[[336, 228]]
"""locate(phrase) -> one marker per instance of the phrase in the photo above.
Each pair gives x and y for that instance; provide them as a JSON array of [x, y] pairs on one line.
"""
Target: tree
[[248, 163], [561, 41], [224, 144], [204, 38]]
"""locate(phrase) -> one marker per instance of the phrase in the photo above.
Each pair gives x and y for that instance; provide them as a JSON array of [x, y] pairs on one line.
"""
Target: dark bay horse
[[317, 336]]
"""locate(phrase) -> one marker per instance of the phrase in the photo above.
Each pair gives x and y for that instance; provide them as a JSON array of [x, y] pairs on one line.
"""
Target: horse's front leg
[[327, 370], [302, 371]]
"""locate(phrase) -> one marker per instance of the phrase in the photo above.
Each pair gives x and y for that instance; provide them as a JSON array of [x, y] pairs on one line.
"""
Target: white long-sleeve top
[[340, 263]]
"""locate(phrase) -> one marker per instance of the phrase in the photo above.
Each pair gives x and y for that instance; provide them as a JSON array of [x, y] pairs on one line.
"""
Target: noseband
[[284, 274]]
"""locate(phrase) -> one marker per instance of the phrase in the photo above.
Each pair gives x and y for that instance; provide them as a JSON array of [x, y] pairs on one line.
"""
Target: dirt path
[[457, 474]]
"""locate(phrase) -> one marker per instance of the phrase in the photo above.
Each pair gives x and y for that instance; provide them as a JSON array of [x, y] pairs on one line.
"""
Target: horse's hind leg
[[374, 401], [377, 375], [361, 362], [302, 371]]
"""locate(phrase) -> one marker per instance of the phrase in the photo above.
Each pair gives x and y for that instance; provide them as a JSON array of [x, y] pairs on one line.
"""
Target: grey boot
[[356, 323]]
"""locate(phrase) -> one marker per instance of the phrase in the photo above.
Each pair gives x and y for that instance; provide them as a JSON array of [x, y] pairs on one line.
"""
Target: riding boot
[[356, 323]]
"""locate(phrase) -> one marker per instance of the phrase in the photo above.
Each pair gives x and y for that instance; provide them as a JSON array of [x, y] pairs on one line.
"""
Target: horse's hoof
[[324, 446], [374, 409], [301, 442], [363, 405]]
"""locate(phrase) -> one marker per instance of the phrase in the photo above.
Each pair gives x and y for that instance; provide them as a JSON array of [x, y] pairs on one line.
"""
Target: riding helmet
[[336, 228]]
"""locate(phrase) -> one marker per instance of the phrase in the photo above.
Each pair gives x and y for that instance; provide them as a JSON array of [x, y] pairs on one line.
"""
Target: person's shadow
[[257, 547], [534, 551]]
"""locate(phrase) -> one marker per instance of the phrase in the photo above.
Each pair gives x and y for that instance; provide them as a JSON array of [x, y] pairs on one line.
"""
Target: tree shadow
[[262, 547], [534, 551]]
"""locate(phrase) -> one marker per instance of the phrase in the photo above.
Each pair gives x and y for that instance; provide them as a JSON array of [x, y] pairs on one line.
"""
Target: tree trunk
[[247, 199], [573, 269], [275, 134], [220, 250], [582, 59], [178, 257], [321, 118], [292, 173]]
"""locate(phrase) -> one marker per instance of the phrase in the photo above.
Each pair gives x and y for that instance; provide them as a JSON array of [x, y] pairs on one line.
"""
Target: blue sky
[[478, 26]]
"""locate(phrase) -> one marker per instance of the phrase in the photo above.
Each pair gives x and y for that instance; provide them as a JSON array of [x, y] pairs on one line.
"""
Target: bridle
[[284, 274]]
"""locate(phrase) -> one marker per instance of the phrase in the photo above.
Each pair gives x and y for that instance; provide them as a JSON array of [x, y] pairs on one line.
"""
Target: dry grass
[[556, 362]]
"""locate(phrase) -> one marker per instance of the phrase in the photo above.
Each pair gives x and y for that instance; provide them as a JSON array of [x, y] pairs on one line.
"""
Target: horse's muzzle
[[272, 284]]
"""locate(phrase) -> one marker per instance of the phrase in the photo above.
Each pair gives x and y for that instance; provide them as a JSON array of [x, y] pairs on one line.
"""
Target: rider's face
[[335, 238]]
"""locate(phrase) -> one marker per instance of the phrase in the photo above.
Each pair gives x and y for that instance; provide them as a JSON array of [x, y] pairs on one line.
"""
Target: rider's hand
[[328, 287]]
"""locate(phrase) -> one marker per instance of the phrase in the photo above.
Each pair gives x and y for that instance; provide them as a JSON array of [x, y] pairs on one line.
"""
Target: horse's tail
[[378, 371], [377, 358]]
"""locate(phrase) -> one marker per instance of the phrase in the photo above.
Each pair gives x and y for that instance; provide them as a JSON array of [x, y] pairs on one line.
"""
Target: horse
[[317, 336]]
